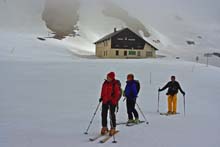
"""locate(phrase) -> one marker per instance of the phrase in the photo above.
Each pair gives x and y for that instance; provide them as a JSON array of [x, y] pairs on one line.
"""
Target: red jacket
[[109, 94]]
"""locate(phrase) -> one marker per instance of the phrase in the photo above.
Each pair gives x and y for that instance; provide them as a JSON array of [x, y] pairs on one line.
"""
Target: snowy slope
[[171, 22], [51, 103], [17, 46]]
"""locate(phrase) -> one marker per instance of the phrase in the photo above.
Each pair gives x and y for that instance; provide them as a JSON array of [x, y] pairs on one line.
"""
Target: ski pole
[[86, 132], [158, 100], [111, 123], [142, 113], [184, 105]]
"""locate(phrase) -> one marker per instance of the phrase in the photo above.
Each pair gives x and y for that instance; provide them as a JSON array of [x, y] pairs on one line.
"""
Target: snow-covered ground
[[50, 89], [50, 102]]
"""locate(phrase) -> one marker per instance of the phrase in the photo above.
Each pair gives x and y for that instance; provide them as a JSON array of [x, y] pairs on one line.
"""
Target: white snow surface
[[49, 96], [50, 89]]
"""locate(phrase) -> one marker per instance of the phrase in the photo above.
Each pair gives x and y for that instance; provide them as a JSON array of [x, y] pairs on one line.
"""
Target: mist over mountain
[[169, 25], [61, 17]]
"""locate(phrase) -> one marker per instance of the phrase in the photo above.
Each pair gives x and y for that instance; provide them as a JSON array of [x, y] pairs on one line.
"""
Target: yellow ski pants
[[172, 103]]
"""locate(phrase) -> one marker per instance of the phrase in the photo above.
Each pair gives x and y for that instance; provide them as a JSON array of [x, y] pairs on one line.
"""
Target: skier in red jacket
[[110, 96]]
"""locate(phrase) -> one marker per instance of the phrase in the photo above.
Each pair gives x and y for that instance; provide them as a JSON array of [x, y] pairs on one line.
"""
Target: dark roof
[[109, 36]]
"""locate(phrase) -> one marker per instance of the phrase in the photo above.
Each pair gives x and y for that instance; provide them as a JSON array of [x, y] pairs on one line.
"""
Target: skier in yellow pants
[[172, 101], [173, 87]]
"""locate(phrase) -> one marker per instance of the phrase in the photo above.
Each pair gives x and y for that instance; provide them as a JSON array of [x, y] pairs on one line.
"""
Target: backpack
[[119, 85], [173, 89], [138, 86]]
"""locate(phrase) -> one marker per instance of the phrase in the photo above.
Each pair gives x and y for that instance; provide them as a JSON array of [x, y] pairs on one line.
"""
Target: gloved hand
[[124, 99], [184, 93], [100, 100], [159, 90]]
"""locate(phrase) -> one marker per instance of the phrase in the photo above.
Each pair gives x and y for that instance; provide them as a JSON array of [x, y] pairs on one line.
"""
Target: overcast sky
[[199, 10]]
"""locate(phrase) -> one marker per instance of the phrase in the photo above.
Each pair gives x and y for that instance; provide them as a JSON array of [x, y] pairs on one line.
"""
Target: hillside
[[168, 27]]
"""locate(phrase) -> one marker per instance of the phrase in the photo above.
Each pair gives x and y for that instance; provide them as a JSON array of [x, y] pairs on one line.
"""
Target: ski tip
[[90, 139]]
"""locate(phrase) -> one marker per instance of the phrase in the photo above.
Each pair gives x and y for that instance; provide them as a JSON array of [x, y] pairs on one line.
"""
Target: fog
[[61, 17], [175, 20], [22, 16], [113, 10]]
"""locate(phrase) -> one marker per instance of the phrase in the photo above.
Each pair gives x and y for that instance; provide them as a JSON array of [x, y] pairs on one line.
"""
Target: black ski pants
[[111, 108], [131, 109]]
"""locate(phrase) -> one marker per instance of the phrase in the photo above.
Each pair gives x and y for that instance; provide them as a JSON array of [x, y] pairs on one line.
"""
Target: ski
[[121, 123], [107, 137], [96, 137], [125, 123], [133, 124], [168, 114]]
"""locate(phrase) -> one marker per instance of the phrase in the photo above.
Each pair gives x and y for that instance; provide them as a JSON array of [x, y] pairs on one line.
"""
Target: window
[[125, 53], [105, 43], [119, 38], [132, 52], [139, 47], [105, 53], [131, 39], [117, 53], [139, 53], [149, 54]]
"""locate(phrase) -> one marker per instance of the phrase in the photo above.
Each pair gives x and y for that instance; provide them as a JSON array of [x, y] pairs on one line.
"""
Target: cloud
[[114, 11], [61, 16]]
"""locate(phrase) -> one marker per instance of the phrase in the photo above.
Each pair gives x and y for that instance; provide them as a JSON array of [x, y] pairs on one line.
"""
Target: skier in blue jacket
[[131, 93]]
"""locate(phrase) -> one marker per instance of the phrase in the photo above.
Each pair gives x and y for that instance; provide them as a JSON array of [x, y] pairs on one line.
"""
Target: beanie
[[111, 75]]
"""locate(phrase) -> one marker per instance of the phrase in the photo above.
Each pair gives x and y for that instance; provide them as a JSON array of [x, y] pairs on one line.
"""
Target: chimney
[[115, 29]]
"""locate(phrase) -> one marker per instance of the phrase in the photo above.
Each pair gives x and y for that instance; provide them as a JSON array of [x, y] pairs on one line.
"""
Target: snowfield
[[50, 89], [50, 103]]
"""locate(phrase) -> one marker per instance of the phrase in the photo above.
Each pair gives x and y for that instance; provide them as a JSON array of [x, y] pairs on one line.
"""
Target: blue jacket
[[131, 90]]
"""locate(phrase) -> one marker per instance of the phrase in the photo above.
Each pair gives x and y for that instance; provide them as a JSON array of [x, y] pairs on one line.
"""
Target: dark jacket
[[173, 88], [131, 90], [108, 94]]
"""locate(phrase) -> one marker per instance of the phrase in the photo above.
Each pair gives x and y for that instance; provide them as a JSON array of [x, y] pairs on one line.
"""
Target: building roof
[[109, 36]]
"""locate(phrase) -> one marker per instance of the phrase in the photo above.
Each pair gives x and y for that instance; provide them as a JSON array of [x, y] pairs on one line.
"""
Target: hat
[[111, 75]]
